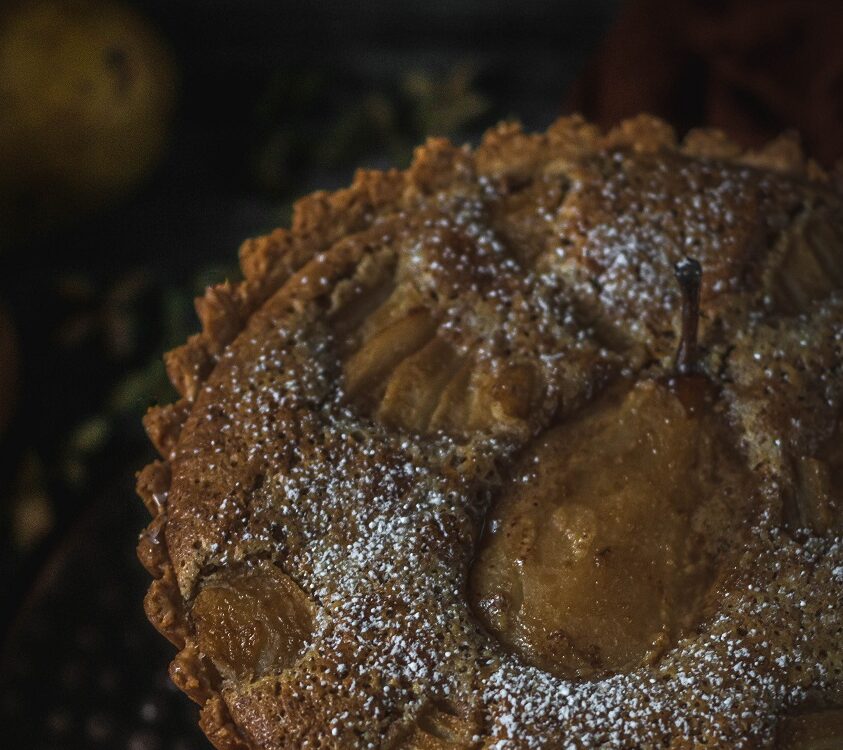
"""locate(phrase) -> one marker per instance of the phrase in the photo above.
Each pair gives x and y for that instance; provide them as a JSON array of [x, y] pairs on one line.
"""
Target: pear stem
[[688, 273]]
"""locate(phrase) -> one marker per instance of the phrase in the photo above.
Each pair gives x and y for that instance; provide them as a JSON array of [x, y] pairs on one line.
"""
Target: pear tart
[[434, 480]]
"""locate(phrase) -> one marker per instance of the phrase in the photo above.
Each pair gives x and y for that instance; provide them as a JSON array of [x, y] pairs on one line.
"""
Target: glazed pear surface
[[600, 549]]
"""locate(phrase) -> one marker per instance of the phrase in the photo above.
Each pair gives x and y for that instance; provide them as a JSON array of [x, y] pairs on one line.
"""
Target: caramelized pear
[[416, 385], [406, 373], [253, 623], [594, 558], [369, 367]]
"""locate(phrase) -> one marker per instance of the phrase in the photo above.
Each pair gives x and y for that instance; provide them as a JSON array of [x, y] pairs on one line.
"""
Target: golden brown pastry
[[435, 481]]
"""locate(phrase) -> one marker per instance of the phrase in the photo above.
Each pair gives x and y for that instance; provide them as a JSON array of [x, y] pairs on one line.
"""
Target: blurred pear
[[86, 93]]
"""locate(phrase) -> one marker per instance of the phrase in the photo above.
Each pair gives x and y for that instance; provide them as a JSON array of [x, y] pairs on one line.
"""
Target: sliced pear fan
[[354, 308], [367, 370], [402, 371], [416, 385], [452, 411], [404, 300]]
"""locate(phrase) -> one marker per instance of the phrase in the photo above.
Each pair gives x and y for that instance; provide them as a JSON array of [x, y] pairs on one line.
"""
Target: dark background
[[270, 100]]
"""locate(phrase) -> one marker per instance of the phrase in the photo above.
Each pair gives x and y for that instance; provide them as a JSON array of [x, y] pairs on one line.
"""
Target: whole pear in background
[[86, 93]]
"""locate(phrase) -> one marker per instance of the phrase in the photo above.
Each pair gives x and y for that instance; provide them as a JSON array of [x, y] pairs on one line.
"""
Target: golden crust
[[288, 273], [163, 425]]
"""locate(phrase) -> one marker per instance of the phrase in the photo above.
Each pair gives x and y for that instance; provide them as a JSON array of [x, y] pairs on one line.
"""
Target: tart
[[436, 480]]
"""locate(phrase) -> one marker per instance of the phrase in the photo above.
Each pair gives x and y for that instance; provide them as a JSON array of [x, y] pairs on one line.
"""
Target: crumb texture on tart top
[[487, 338]]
